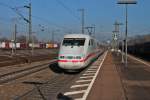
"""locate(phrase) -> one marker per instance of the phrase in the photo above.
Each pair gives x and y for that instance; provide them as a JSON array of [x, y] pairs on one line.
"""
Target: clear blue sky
[[52, 15]]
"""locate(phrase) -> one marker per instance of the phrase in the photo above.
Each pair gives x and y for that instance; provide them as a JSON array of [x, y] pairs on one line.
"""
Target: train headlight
[[62, 57], [78, 57]]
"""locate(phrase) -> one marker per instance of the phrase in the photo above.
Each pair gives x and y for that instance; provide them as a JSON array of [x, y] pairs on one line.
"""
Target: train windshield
[[73, 41]]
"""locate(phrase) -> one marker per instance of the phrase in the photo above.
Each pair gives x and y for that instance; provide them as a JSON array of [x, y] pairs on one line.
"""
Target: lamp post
[[126, 3], [30, 25], [29, 20], [94, 26], [82, 20], [53, 33], [115, 39], [117, 30], [13, 41]]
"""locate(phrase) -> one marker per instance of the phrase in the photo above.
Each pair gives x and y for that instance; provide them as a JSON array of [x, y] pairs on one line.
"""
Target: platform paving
[[117, 82], [108, 84]]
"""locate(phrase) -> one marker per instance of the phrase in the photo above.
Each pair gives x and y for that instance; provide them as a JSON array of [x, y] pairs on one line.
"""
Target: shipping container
[[55, 45], [18, 45], [5, 45], [35, 45], [0, 44], [23, 45], [49, 45], [42, 45], [11, 45]]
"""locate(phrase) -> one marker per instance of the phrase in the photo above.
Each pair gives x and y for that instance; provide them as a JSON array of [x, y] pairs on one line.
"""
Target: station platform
[[115, 81]]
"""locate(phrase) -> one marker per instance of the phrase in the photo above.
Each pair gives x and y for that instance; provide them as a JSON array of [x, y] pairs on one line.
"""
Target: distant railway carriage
[[23, 45], [11, 45], [35, 45], [55, 45], [143, 50], [5, 45], [77, 51], [42, 45], [0, 45], [49, 45], [17, 45]]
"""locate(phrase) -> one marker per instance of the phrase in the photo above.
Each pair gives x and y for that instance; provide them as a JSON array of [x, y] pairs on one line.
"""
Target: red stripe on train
[[82, 60]]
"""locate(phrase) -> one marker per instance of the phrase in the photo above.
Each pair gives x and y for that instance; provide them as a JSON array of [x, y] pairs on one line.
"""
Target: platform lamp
[[126, 3]]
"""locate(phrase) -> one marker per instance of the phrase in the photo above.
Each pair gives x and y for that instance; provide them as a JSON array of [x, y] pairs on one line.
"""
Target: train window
[[89, 42], [92, 42], [73, 41]]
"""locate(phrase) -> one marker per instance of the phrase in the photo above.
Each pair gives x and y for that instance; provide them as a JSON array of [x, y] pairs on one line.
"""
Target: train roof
[[77, 36]]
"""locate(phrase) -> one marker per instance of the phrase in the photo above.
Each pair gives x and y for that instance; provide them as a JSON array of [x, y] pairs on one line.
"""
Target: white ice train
[[77, 51]]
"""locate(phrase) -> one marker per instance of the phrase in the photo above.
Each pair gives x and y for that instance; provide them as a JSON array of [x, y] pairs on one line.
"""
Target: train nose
[[71, 65], [71, 62]]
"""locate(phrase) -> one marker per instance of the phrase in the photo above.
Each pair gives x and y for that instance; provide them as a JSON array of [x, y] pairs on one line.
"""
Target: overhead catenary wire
[[49, 22], [68, 9], [15, 9]]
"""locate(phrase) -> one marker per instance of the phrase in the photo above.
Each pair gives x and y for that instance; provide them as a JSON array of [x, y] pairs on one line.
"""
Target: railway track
[[24, 56], [7, 77], [3, 62], [56, 87], [50, 89], [44, 84], [25, 59]]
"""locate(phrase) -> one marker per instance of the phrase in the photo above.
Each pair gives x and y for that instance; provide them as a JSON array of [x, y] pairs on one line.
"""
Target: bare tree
[[21, 38], [4, 39]]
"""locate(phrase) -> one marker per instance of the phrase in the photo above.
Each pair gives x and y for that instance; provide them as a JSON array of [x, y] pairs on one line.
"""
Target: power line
[[15, 9], [68, 9], [49, 22], [39, 18]]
